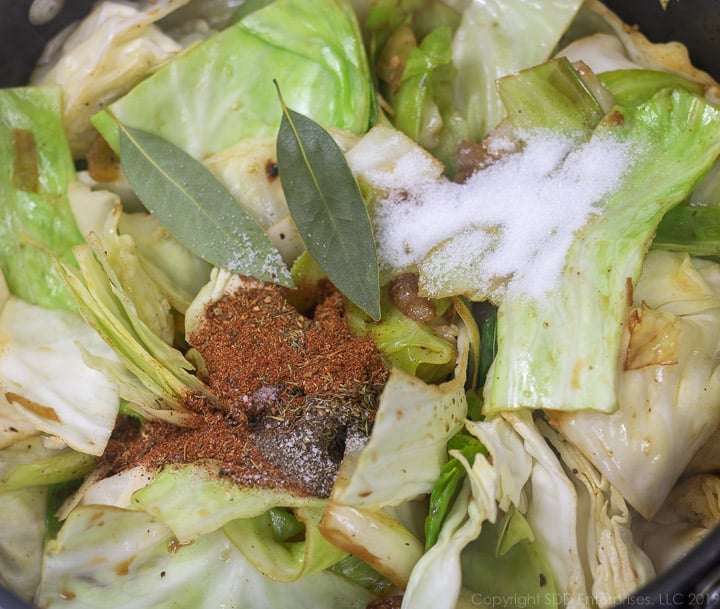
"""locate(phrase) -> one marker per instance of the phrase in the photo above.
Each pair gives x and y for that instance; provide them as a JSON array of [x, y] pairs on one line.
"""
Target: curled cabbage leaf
[[492, 483], [100, 212], [668, 383], [195, 499], [537, 489], [103, 57], [22, 537], [150, 373], [617, 566]]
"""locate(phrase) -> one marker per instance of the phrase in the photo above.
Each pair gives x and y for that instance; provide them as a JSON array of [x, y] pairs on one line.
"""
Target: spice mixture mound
[[293, 390]]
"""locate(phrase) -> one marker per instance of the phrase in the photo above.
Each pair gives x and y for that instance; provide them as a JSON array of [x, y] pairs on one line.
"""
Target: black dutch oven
[[694, 581]]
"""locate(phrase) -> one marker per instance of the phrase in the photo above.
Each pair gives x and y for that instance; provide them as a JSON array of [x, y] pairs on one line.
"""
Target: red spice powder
[[293, 389]]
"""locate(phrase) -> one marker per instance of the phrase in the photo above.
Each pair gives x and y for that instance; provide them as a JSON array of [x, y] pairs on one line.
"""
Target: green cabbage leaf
[[277, 530], [496, 38], [106, 557], [29, 463], [194, 499], [279, 558], [35, 169], [493, 482], [674, 128], [221, 91], [406, 344], [158, 273]]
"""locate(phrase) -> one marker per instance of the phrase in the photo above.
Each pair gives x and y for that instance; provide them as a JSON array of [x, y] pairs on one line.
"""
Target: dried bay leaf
[[328, 209], [197, 208]]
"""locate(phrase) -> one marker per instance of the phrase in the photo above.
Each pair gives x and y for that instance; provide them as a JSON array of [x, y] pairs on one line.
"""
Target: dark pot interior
[[694, 581]]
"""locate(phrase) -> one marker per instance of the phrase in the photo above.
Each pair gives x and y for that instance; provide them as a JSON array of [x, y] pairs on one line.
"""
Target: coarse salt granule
[[512, 221]]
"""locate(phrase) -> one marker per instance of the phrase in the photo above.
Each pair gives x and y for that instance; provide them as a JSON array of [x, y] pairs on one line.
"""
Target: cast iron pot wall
[[695, 580]]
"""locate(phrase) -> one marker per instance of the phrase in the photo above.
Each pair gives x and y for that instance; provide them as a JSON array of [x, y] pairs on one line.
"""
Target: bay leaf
[[328, 209], [197, 208]]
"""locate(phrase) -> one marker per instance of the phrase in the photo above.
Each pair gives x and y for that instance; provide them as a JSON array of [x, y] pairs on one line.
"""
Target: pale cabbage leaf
[[553, 513], [22, 537], [393, 468], [668, 383], [691, 511], [103, 57], [500, 37], [108, 558], [617, 566], [27, 470], [44, 374]]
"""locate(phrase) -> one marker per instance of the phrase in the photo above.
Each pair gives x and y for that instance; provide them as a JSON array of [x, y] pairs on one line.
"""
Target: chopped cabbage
[[108, 558], [221, 91], [690, 512], [496, 38], [493, 482], [668, 383], [279, 559], [35, 170], [531, 369], [553, 503], [45, 377], [103, 57]]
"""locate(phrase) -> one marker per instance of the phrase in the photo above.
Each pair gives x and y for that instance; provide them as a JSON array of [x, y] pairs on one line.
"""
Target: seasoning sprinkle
[[295, 390]]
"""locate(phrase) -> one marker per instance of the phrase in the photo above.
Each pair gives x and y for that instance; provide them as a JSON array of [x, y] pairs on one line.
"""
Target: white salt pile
[[515, 219]]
